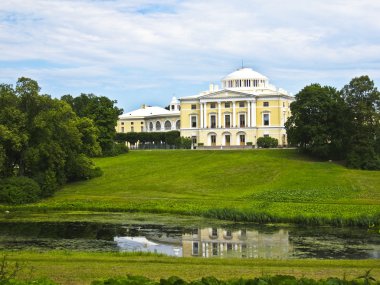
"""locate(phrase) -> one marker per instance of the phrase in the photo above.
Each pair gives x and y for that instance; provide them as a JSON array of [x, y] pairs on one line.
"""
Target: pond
[[238, 241]]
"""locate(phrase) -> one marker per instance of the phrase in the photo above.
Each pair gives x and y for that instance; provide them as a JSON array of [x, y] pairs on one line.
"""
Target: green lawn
[[82, 268], [253, 185]]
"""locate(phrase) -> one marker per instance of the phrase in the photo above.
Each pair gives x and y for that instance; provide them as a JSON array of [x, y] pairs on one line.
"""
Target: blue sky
[[146, 51]]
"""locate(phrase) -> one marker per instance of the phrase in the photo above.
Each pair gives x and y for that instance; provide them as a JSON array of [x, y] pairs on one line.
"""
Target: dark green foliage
[[132, 138], [102, 112], [147, 139], [171, 138], [341, 125], [316, 122], [117, 149], [121, 137], [43, 139], [267, 142], [82, 168], [264, 280], [19, 190]]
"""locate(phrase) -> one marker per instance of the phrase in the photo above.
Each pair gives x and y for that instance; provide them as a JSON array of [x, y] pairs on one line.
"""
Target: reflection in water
[[214, 242], [141, 244], [243, 241]]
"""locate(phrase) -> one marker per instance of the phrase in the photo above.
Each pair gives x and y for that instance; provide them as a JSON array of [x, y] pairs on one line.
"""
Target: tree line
[[47, 142], [344, 124], [171, 138]]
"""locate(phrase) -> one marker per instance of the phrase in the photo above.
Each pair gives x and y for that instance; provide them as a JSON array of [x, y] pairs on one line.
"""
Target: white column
[[249, 113], [253, 108], [201, 116], [205, 115], [233, 114], [219, 115]]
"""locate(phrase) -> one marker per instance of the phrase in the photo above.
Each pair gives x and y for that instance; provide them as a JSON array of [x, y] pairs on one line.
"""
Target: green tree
[[43, 139], [363, 101], [102, 111], [315, 125]]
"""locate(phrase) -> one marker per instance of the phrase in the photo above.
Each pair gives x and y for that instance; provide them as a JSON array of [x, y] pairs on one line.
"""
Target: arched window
[[178, 124], [158, 126], [168, 125], [151, 126]]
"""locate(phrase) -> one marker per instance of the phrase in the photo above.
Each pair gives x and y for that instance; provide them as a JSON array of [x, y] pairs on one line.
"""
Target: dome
[[245, 73], [245, 79]]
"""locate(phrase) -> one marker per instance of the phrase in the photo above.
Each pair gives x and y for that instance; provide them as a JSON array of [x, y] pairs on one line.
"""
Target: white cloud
[[133, 46]]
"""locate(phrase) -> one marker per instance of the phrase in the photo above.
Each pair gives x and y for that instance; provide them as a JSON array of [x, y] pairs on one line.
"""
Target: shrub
[[267, 142], [118, 148], [19, 190], [249, 143], [82, 168], [186, 143]]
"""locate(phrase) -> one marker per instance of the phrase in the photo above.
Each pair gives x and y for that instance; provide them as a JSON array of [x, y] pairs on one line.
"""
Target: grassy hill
[[255, 185]]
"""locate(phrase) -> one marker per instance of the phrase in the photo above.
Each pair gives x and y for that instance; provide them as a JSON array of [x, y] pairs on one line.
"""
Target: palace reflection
[[214, 242]]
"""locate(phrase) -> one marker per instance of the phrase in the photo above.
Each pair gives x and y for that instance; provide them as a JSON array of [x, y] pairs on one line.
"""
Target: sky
[[145, 52]]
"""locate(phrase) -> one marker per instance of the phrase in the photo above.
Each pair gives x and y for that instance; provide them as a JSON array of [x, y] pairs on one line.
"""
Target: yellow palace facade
[[245, 108]]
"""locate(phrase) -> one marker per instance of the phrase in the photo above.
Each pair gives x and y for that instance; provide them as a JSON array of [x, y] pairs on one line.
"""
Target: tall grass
[[262, 186]]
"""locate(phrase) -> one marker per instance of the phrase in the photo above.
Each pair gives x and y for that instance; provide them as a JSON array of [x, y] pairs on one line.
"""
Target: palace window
[[168, 125], [151, 126], [142, 123], [194, 140], [142, 128], [178, 124], [195, 248], [212, 105], [132, 129], [266, 104], [228, 139], [241, 104], [227, 121], [122, 123], [214, 232], [283, 104], [213, 140], [215, 249], [242, 120], [172, 107], [158, 126], [193, 121], [213, 121], [227, 105], [266, 136], [122, 129], [242, 139], [193, 107], [229, 247], [132, 123], [266, 119]]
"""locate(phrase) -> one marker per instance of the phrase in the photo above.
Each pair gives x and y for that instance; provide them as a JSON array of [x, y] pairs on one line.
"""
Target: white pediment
[[227, 94]]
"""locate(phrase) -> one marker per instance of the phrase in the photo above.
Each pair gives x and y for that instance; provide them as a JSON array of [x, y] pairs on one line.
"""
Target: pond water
[[240, 241]]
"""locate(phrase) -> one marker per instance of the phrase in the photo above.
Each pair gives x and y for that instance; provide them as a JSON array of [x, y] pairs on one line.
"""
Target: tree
[[103, 113], [363, 101], [316, 122], [43, 139]]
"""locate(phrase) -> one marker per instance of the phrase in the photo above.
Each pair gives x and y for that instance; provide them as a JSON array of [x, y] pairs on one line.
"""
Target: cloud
[[135, 50]]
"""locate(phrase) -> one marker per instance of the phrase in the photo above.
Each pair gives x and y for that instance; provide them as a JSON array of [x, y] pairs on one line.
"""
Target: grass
[[258, 185], [81, 268]]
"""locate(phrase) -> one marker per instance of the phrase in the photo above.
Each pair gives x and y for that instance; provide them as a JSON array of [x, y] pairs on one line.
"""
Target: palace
[[245, 108]]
